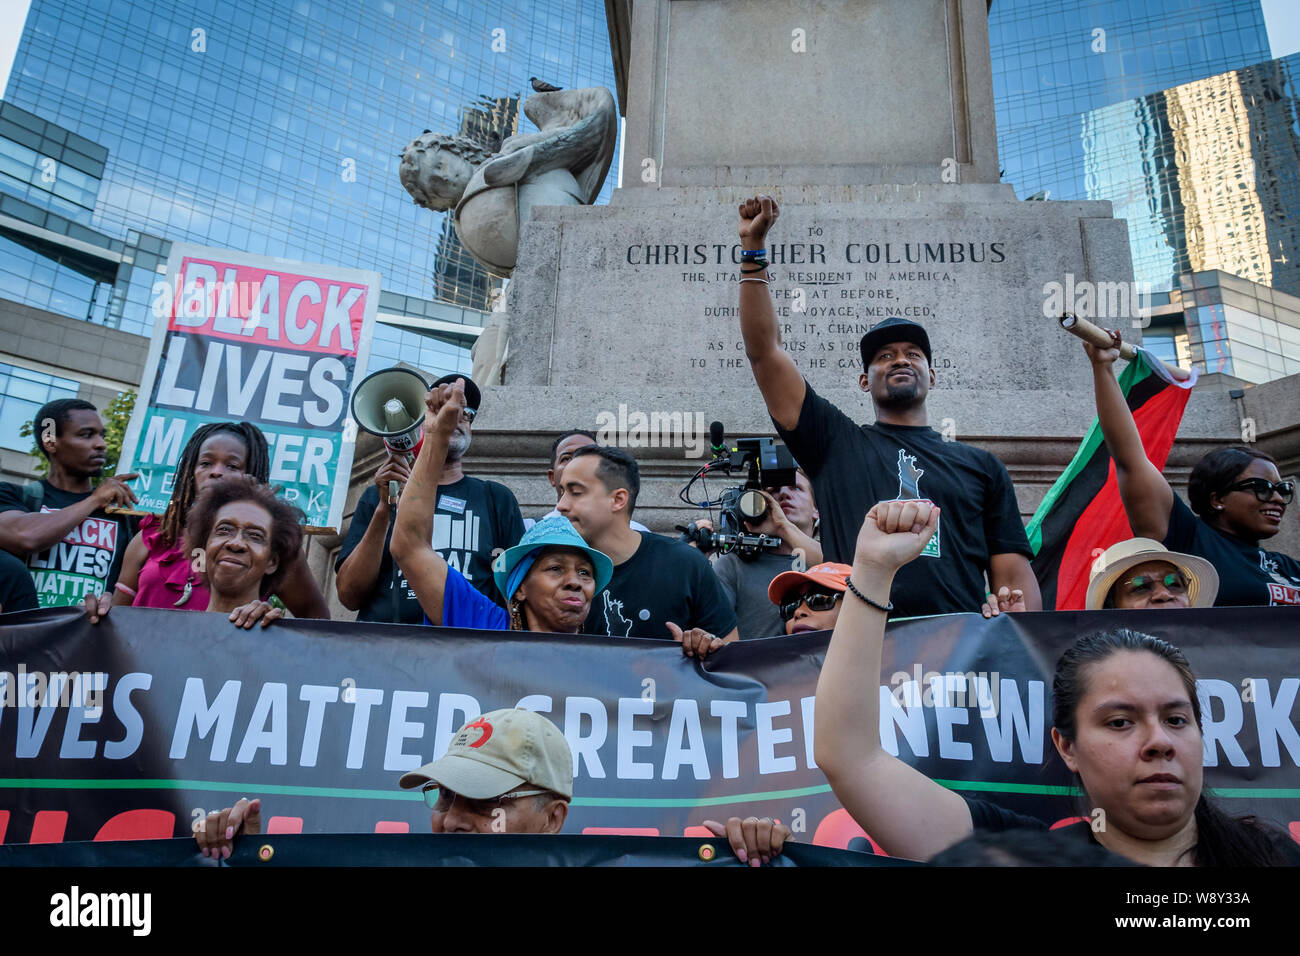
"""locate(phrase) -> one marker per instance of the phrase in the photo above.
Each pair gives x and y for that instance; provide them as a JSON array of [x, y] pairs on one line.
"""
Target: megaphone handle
[[395, 488]]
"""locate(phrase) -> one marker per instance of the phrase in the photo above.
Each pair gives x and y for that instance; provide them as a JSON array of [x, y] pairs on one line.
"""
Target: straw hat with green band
[[512, 565]]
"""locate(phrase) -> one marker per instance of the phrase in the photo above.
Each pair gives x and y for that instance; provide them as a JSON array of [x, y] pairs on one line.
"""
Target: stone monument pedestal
[[627, 315]]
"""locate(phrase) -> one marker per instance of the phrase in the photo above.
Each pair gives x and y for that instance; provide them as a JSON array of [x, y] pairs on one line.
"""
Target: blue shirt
[[464, 606]]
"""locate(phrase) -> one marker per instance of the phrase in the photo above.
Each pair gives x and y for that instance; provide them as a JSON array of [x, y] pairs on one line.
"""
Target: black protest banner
[[137, 726], [426, 849]]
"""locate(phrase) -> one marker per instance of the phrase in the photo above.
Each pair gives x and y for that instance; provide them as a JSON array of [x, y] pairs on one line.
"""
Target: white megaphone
[[390, 404]]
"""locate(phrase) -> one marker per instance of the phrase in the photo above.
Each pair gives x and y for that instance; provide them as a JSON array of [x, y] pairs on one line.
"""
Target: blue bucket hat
[[512, 564]]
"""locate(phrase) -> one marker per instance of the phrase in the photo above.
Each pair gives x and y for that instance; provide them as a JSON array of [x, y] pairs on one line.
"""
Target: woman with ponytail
[[1127, 722]]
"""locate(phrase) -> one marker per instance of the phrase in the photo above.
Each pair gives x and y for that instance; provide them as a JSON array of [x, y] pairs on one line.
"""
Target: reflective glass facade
[[1241, 328], [1056, 59], [274, 127], [49, 165], [1174, 112], [22, 393], [1207, 175]]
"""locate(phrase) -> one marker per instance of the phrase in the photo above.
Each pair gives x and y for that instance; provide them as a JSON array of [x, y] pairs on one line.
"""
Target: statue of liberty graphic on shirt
[[909, 489]]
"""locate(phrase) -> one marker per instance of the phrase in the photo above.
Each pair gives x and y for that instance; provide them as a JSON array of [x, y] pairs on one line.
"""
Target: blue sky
[[1283, 20]]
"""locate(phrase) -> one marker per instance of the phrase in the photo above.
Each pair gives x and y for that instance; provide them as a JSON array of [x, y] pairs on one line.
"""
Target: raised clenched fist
[[757, 216]]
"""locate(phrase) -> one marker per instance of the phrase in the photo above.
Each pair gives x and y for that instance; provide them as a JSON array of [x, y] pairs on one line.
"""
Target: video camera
[[766, 463]]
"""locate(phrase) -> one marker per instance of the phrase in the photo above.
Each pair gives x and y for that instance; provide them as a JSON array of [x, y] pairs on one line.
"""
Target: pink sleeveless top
[[165, 573]]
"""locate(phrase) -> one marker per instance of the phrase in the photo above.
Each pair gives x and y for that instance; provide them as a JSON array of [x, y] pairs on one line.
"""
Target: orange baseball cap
[[833, 576]]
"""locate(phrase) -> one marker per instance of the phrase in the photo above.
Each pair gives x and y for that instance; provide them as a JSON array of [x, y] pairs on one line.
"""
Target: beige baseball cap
[[495, 753], [1202, 579]]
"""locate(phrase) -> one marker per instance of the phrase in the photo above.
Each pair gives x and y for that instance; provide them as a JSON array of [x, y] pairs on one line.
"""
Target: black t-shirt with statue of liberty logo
[[664, 580], [854, 466]]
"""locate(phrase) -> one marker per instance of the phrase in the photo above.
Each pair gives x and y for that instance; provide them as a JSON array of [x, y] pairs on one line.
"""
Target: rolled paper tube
[[1102, 340]]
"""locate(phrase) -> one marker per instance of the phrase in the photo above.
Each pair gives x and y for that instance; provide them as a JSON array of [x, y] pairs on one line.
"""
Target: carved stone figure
[[564, 164]]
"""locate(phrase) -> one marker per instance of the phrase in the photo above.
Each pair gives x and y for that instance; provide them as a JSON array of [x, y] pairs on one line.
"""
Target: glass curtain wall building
[[1172, 111], [271, 127], [1056, 59], [1207, 175]]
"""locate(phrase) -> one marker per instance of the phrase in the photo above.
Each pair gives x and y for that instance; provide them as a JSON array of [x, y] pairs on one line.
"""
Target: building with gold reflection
[[1173, 111], [1207, 174]]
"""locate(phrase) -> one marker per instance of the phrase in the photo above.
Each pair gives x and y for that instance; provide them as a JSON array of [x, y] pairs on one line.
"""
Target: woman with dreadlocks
[[157, 572]]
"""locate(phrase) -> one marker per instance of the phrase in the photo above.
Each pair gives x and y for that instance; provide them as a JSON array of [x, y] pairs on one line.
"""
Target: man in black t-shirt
[[791, 516], [661, 588], [898, 457], [72, 546], [473, 520]]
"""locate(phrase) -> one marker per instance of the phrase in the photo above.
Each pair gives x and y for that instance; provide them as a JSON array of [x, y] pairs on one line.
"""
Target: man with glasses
[[1141, 573], [809, 600], [508, 771], [472, 520]]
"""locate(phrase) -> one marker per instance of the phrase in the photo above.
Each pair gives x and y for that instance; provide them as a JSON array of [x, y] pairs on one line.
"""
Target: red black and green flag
[[1082, 514]]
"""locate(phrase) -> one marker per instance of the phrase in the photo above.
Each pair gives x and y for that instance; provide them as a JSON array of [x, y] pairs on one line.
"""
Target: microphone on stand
[[717, 443]]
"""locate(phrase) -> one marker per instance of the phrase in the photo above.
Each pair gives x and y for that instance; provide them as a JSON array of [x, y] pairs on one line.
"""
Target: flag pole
[[1102, 340]]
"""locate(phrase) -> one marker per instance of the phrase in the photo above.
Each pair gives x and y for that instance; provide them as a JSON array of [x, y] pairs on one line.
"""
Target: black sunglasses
[[1263, 489], [816, 601]]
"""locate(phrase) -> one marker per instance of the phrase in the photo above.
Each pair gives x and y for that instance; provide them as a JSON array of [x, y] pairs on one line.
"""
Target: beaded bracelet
[[859, 594]]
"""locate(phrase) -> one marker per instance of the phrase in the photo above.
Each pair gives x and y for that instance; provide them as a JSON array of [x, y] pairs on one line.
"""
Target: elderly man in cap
[[472, 520], [980, 554], [508, 771], [1142, 573]]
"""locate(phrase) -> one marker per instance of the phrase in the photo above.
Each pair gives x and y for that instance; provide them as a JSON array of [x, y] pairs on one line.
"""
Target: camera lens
[[752, 505]]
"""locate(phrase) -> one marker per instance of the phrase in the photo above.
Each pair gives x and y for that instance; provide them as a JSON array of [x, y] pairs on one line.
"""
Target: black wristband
[[760, 263], [858, 594]]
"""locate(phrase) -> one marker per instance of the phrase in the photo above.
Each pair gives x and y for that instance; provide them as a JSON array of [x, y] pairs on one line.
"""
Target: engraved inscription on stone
[[654, 302], [826, 292]]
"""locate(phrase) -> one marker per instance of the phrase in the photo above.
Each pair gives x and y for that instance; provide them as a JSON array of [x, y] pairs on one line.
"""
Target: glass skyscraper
[[1172, 111], [1056, 59], [271, 127], [1207, 174]]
